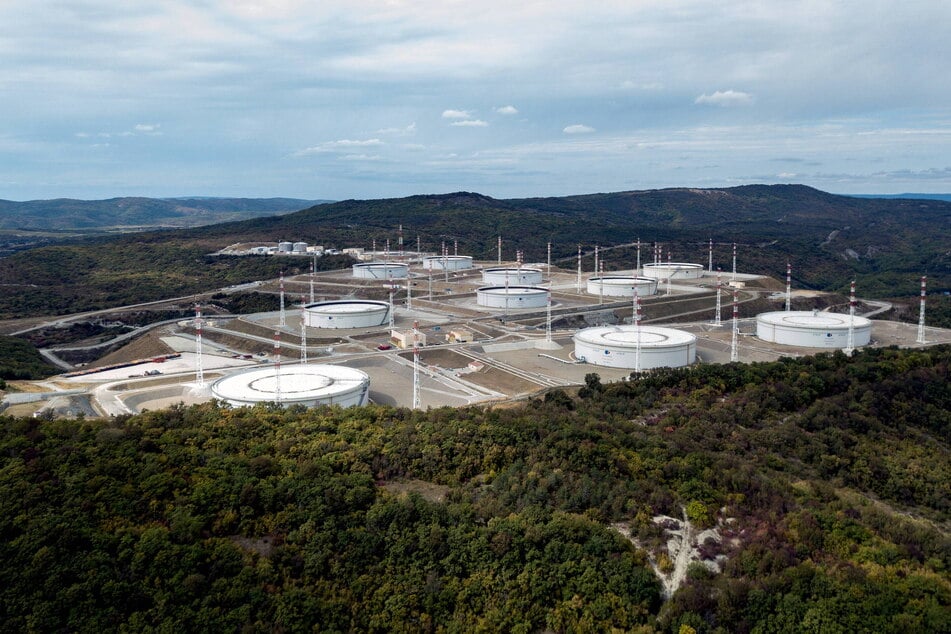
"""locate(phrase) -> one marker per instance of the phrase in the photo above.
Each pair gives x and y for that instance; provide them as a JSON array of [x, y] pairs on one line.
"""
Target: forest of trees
[[829, 475]]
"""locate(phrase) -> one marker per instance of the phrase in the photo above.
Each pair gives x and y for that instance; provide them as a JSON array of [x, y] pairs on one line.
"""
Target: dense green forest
[[71, 278], [828, 478], [886, 245], [20, 360]]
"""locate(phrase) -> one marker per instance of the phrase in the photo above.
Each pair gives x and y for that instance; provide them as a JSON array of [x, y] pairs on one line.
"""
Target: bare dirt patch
[[429, 491], [144, 347], [444, 358]]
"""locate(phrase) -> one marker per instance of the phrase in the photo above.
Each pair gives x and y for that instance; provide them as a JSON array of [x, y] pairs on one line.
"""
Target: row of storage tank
[[632, 347]]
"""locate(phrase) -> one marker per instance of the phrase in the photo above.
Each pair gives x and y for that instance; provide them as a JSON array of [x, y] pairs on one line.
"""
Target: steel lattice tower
[[734, 351], [416, 400], [199, 370], [921, 313]]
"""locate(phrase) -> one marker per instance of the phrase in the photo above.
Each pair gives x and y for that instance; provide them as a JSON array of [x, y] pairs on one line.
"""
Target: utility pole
[[734, 351], [199, 370], [416, 398]]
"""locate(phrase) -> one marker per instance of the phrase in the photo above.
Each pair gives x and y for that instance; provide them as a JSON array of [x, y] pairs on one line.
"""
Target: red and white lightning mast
[[283, 317], [734, 261], [670, 269], [313, 269], [303, 332], [788, 286], [734, 351], [850, 345], [416, 399], [199, 371], [579, 268], [277, 367], [716, 318], [921, 313], [637, 330], [601, 284]]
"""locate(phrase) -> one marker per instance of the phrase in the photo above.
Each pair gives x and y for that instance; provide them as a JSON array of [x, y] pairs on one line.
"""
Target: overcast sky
[[368, 99]]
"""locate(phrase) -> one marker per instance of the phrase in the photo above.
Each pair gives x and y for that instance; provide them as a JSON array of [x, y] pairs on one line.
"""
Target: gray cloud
[[217, 96]]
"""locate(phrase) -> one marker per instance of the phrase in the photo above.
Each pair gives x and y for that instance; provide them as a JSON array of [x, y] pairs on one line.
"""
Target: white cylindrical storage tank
[[344, 313], [307, 385], [300, 247], [812, 329], [673, 271], [381, 271], [501, 275], [616, 347], [447, 262], [622, 286], [285, 247], [512, 297]]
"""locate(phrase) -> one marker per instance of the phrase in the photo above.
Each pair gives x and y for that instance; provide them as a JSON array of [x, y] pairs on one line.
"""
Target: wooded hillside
[[827, 478], [885, 244]]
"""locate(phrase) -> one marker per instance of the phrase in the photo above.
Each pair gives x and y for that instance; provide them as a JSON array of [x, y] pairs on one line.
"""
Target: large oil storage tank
[[381, 270], [512, 297], [299, 247], [447, 262], [346, 313], [812, 329], [307, 385], [673, 271], [285, 247], [503, 275], [622, 286], [616, 347]]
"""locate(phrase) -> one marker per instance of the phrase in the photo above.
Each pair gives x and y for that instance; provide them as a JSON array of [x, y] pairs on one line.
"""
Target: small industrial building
[[404, 339], [459, 335]]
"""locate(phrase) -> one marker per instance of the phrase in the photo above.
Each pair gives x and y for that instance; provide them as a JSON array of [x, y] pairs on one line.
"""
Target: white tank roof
[[512, 290], [348, 306], [299, 383], [809, 320], [626, 336]]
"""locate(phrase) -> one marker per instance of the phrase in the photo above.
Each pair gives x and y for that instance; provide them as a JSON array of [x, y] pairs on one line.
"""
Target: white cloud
[[147, 127], [404, 131], [507, 110], [456, 114], [347, 143], [578, 128], [725, 98], [470, 123], [342, 145]]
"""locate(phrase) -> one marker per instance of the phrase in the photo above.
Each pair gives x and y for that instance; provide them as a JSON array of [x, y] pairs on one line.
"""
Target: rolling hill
[[885, 244], [66, 214]]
